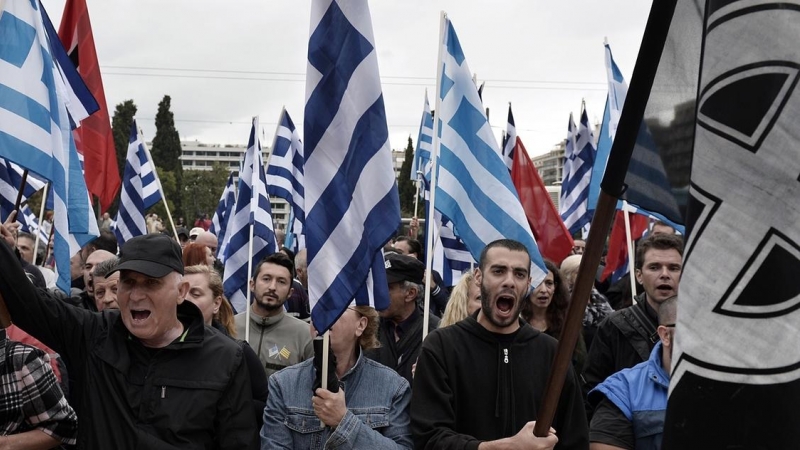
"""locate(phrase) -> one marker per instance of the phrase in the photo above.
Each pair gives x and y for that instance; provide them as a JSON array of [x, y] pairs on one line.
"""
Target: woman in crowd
[[546, 310], [205, 291], [371, 410], [465, 299], [597, 308], [194, 254]]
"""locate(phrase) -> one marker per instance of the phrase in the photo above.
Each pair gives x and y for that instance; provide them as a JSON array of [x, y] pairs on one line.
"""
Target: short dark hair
[[668, 311], [413, 244], [658, 242], [106, 241], [504, 243], [275, 258]]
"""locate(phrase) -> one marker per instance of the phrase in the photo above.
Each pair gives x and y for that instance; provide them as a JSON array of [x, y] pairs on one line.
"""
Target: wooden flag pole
[[601, 223], [18, 202], [41, 221]]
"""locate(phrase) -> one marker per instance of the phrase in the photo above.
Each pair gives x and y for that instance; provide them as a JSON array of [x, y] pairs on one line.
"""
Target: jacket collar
[[266, 321], [655, 371], [470, 324]]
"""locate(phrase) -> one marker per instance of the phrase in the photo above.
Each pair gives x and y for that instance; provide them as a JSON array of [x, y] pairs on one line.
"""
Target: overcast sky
[[223, 62]]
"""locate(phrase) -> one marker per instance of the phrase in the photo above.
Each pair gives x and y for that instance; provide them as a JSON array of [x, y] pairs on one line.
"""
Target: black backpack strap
[[632, 322]]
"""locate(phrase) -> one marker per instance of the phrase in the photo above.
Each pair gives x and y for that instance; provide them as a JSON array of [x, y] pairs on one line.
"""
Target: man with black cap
[[149, 375], [401, 323]]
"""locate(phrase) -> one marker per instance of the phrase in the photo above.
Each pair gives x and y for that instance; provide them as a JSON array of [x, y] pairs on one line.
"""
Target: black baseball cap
[[403, 268], [154, 255], [182, 231]]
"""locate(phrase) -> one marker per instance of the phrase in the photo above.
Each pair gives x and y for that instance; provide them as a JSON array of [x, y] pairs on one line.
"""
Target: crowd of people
[[146, 352]]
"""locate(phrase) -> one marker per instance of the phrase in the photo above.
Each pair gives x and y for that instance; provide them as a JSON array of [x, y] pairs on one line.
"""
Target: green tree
[[405, 186], [121, 129], [170, 187], [166, 148], [201, 189]]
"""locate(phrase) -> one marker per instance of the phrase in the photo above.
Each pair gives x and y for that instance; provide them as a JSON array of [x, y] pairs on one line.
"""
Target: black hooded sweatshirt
[[472, 385]]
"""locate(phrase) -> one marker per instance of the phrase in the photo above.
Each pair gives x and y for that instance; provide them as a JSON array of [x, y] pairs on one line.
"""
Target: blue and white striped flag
[[474, 187], [422, 154], [35, 129], [509, 140], [451, 258], [352, 206], [219, 223], [30, 224], [139, 189], [80, 101], [285, 176], [10, 181], [252, 211], [579, 155], [617, 91]]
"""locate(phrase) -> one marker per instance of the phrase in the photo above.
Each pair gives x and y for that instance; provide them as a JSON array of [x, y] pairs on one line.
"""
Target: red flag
[[93, 138], [617, 257], [552, 237]]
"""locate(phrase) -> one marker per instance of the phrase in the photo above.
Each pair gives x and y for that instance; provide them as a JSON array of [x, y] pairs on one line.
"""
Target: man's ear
[[183, 289], [638, 273], [664, 335], [412, 294], [478, 276]]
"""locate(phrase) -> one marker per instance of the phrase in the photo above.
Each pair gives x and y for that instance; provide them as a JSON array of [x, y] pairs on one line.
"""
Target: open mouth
[[139, 315], [505, 303]]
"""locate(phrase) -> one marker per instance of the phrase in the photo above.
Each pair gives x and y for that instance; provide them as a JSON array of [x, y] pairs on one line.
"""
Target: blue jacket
[[377, 415], [640, 392]]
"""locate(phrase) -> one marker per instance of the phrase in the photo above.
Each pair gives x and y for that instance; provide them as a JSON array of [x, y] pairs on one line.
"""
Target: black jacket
[[191, 394], [623, 339], [401, 355], [471, 387]]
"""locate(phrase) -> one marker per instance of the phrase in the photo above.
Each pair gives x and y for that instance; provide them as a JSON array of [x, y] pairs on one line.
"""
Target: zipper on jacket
[[163, 392], [505, 357]]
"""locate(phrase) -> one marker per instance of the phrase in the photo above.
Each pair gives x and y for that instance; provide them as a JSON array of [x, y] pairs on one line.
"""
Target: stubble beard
[[486, 309]]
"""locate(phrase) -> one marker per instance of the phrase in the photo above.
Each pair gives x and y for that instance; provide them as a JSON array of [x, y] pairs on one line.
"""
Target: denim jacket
[[377, 400]]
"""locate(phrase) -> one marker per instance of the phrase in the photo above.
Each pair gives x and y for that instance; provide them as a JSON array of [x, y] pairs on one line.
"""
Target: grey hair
[[104, 268]]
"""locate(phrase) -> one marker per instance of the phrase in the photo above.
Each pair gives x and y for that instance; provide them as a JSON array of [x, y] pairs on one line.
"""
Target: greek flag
[[35, 129], [509, 140], [80, 101], [139, 189], [617, 91], [450, 256], [352, 206], [30, 224], [252, 214], [219, 223], [580, 154], [285, 175], [474, 187], [10, 181], [422, 154]]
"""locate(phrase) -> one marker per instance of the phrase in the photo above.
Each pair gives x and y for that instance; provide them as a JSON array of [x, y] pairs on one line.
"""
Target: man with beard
[[479, 382], [626, 337], [279, 339]]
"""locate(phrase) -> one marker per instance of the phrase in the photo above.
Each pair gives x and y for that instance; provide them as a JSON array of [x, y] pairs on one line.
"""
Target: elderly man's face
[[149, 305], [105, 292]]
